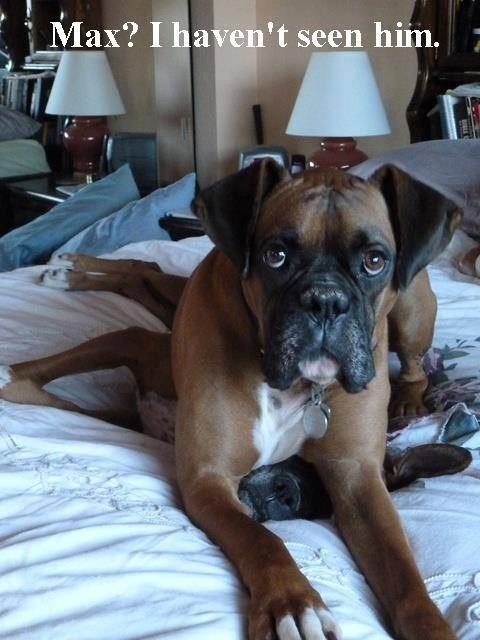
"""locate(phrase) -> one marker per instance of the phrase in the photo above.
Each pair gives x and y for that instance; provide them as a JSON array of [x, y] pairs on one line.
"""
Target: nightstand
[[180, 227], [24, 199]]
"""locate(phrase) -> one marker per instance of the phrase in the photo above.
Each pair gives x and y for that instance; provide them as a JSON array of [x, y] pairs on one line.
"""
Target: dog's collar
[[317, 414]]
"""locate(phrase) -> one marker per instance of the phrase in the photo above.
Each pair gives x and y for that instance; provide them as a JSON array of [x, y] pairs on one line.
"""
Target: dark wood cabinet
[[179, 228], [26, 32], [24, 199], [454, 62]]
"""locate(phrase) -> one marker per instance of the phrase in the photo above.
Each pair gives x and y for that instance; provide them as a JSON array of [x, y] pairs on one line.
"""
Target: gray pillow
[[16, 126], [452, 167]]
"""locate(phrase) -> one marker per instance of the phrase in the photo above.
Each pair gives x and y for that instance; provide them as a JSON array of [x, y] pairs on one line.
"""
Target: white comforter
[[93, 542]]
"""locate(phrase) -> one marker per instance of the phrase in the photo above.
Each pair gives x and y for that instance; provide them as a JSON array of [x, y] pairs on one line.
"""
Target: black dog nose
[[327, 299]]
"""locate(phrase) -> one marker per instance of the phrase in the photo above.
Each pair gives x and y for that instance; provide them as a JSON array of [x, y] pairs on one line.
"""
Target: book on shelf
[[39, 66], [455, 118], [472, 89], [43, 60], [459, 111], [27, 93], [52, 55]]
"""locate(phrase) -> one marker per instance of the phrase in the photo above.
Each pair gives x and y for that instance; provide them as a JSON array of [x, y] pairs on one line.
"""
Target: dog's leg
[[165, 285], [411, 325], [216, 375], [349, 461], [281, 597], [157, 292], [145, 353], [83, 262]]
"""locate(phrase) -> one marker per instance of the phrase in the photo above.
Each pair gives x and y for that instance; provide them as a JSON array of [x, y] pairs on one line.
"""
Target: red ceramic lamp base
[[341, 153], [83, 139]]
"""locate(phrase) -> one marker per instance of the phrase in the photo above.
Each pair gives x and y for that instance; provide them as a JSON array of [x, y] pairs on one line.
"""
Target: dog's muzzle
[[320, 330]]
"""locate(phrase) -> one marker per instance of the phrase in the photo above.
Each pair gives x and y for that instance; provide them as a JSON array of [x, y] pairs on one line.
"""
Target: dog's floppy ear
[[423, 220], [229, 209], [424, 461]]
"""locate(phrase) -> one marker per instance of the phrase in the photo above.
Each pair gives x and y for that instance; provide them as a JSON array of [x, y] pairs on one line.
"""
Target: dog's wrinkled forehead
[[262, 199], [317, 201]]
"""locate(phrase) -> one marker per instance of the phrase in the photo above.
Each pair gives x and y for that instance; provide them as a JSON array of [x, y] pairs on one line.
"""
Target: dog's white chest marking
[[280, 430]]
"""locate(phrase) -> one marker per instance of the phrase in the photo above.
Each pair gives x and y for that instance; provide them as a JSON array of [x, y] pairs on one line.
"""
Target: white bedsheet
[[93, 544]]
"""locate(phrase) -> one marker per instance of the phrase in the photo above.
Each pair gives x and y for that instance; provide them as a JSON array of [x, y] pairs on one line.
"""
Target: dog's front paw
[[63, 260], [290, 613], [58, 278], [407, 400]]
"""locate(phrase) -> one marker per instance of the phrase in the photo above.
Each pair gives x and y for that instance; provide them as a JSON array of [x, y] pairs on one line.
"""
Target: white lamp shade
[[339, 97], [84, 86]]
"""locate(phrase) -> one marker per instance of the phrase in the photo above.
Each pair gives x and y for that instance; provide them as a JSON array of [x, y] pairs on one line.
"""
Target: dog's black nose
[[327, 299]]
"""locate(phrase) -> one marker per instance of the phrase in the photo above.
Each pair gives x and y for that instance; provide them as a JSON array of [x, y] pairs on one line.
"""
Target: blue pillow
[[36, 240], [137, 221]]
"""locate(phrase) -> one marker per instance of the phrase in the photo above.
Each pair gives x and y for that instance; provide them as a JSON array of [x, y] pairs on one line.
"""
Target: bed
[[22, 158], [94, 542]]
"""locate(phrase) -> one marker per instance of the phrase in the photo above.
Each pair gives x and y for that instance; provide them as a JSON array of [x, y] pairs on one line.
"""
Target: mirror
[[39, 15], [25, 25], [14, 42]]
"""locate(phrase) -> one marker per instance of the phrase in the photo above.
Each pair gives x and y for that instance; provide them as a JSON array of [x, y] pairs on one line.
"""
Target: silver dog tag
[[316, 415]]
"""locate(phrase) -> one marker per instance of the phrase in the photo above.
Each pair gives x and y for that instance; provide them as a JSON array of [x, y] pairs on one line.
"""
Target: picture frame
[[248, 156]]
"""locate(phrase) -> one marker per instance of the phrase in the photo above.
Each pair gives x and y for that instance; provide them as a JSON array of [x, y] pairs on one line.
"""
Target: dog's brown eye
[[374, 262], [275, 257]]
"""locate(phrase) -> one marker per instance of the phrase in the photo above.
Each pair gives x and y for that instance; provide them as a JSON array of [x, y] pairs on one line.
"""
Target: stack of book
[[458, 112], [43, 61], [27, 93]]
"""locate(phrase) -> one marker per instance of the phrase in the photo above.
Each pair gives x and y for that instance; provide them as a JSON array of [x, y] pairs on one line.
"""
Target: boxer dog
[[279, 347]]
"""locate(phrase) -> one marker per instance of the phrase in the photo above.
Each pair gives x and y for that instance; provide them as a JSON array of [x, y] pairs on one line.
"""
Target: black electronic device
[[139, 150]]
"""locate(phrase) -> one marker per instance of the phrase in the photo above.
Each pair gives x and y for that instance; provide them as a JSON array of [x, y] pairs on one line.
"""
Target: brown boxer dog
[[280, 346]]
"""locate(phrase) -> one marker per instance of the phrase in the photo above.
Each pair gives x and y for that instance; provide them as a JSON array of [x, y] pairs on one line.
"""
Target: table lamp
[[84, 88], [338, 99]]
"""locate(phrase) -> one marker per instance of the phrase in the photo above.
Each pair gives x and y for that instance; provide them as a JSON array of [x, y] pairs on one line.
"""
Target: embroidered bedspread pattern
[[94, 543]]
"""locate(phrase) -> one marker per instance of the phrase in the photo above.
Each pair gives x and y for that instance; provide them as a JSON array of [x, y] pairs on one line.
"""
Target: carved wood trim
[[15, 31], [87, 11]]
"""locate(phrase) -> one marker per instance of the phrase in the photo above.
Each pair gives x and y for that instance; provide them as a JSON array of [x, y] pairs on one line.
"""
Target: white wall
[[229, 81], [155, 84], [237, 78], [133, 68], [280, 71], [225, 89]]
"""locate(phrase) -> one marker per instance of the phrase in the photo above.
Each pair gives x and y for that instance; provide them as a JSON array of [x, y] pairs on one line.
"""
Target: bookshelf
[[454, 62], [31, 69]]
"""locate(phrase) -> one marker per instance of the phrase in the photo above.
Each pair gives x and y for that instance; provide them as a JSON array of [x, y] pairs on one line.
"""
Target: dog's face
[[321, 257], [323, 254]]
